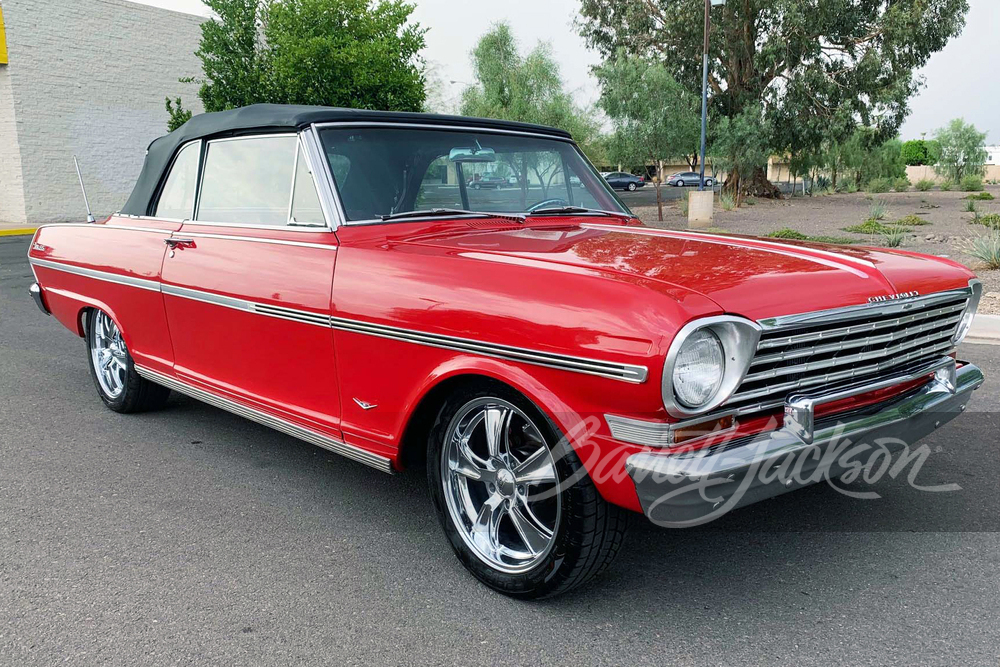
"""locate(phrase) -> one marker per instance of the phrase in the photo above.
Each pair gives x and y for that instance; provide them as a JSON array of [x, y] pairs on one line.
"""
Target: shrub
[[879, 185], [901, 185], [874, 227], [970, 207], [850, 187], [910, 221], [792, 235], [991, 220], [877, 210], [728, 201], [684, 205], [787, 233], [985, 248], [947, 184], [972, 183], [981, 196], [925, 184], [893, 238]]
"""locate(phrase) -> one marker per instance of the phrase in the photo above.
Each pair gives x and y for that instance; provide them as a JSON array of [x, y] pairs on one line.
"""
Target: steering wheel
[[548, 203]]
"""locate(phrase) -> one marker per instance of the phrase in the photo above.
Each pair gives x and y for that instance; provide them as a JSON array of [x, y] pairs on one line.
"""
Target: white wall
[[87, 77]]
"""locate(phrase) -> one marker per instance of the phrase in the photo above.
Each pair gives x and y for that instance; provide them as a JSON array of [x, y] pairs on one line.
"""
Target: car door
[[615, 180], [247, 282]]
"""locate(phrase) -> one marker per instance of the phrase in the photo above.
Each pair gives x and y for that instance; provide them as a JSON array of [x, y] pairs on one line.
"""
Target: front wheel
[[519, 511], [709, 182], [113, 371]]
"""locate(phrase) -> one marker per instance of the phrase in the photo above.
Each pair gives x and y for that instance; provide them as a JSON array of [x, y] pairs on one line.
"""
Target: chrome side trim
[[257, 239], [104, 225], [141, 283], [608, 369], [615, 371], [292, 314], [207, 297], [278, 424]]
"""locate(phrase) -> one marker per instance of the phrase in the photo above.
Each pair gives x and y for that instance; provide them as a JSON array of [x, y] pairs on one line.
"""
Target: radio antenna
[[90, 216]]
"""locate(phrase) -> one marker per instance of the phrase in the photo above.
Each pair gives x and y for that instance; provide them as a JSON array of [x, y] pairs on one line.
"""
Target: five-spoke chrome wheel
[[500, 484], [109, 354]]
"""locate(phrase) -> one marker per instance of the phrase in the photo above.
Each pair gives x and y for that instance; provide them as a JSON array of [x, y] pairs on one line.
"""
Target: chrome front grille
[[862, 342]]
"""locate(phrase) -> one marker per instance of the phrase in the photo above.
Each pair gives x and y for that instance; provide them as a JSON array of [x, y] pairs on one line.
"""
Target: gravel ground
[[948, 224]]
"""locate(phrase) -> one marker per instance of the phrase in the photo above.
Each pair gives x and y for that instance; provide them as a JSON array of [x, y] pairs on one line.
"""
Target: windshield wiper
[[429, 213], [556, 210]]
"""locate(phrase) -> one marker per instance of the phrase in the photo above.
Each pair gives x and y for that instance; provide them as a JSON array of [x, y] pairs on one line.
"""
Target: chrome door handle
[[179, 243]]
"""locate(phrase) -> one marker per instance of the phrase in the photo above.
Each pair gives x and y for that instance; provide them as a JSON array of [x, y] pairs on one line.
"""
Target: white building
[[85, 78], [993, 155]]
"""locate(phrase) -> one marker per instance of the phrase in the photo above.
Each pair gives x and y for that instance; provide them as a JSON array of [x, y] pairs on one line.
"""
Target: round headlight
[[699, 369]]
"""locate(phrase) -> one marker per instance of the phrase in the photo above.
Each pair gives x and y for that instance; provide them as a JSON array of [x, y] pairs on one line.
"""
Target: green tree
[[348, 53], [178, 115], [655, 117], [740, 147], [962, 150], [917, 153], [510, 86], [839, 64]]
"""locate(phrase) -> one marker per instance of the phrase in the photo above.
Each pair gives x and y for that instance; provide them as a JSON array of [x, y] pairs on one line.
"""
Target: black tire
[[680, 184], [709, 182], [632, 187], [589, 533], [138, 394], [476, 186]]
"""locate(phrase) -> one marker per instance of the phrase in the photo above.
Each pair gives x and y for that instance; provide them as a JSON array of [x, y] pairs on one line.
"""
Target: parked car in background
[[686, 178], [620, 180], [488, 181], [551, 363]]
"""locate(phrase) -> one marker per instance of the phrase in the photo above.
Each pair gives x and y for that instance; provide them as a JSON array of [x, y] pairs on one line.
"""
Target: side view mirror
[[472, 155]]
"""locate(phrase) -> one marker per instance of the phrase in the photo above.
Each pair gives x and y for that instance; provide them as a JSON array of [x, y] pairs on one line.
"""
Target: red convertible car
[[552, 363]]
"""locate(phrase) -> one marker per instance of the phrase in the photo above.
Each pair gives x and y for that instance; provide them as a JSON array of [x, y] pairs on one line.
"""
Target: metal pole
[[704, 95], [90, 216]]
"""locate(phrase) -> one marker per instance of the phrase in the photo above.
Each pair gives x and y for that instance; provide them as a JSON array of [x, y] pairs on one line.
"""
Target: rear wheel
[[520, 513], [111, 366], [680, 184], [632, 187]]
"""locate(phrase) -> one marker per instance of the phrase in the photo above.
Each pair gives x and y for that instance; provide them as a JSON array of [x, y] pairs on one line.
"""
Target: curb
[[21, 231], [985, 330]]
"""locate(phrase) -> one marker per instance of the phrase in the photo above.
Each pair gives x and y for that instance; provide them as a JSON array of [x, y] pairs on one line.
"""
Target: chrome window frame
[[341, 217], [170, 170], [302, 139]]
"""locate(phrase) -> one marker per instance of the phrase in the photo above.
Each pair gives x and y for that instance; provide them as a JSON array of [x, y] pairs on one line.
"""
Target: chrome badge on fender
[[892, 297]]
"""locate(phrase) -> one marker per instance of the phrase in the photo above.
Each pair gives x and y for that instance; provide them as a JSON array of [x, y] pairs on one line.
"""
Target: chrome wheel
[[500, 485], [109, 354]]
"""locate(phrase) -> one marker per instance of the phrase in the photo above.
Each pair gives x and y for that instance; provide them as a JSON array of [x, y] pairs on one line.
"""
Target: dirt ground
[[949, 224]]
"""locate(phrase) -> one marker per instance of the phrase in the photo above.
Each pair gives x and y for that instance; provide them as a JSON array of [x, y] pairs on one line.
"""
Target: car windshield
[[382, 172]]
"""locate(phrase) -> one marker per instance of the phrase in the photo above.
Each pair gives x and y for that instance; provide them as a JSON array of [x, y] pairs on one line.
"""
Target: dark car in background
[[683, 178], [488, 181], [620, 180]]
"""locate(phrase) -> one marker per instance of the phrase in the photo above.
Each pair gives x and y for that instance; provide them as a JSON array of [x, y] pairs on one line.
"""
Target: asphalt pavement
[[191, 536]]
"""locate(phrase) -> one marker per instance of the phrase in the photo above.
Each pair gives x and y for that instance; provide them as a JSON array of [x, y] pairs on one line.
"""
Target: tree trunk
[[754, 184]]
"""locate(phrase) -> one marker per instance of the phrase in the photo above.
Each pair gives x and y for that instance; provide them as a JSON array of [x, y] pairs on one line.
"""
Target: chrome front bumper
[[36, 293], [683, 490]]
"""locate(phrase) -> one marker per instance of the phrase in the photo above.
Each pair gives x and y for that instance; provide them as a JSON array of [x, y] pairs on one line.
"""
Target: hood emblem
[[892, 297]]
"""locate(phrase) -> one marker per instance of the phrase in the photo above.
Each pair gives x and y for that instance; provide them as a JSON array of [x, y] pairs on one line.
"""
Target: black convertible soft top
[[282, 117]]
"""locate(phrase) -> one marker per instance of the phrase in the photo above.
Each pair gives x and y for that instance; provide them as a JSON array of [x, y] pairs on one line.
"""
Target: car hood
[[756, 278]]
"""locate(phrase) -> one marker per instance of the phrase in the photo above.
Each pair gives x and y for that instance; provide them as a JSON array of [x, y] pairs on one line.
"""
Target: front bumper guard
[[36, 293], [681, 490]]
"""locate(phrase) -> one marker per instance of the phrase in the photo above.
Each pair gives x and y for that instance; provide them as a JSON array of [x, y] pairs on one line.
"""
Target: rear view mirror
[[472, 155]]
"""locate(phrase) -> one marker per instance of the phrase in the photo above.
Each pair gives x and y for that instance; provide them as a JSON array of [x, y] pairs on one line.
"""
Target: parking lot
[[192, 536]]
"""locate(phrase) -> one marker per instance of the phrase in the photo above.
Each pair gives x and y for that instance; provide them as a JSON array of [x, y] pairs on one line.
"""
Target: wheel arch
[[430, 397]]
